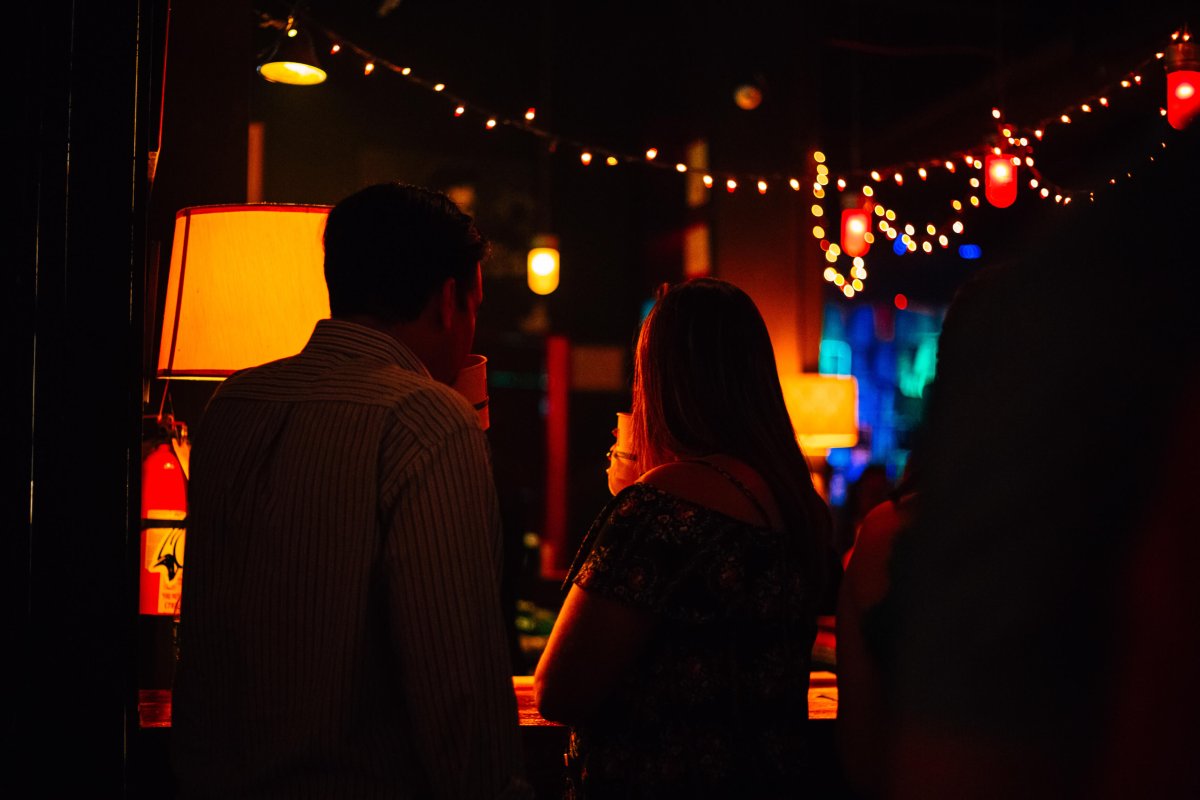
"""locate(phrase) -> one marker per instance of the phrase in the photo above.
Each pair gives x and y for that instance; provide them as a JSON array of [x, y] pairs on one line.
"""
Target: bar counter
[[154, 706]]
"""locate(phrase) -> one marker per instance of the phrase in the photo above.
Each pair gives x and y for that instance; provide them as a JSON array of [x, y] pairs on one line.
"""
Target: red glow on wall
[[856, 222], [1000, 180], [558, 380], [1183, 97]]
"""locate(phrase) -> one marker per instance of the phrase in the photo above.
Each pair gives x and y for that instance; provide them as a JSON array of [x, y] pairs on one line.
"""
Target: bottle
[[160, 570]]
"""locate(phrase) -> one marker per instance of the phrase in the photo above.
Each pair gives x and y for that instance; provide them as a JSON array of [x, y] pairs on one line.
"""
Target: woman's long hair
[[705, 382]]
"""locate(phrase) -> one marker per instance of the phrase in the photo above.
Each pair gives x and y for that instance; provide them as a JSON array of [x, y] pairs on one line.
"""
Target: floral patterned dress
[[717, 706]]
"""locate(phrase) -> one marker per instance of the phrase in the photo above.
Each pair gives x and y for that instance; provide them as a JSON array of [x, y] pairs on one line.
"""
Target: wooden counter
[[154, 706]]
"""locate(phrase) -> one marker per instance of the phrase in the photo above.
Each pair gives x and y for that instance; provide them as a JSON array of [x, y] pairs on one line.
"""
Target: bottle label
[[162, 566]]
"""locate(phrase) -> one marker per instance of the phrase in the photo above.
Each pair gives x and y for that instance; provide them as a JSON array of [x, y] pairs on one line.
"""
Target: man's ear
[[446, 301]]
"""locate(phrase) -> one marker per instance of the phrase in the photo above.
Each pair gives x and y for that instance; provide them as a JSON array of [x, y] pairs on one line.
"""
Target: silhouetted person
[[681, 655], [1050, 505], [341, 633]]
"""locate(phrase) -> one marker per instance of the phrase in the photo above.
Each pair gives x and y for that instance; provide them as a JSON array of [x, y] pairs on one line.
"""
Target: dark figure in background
[[871, 489], [341, 632], [865, 709], [1043, 640], [681, 655]]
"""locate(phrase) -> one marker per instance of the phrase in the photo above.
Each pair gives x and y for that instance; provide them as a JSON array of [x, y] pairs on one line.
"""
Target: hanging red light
[[1183, 84], [856, 223], [1000, 180]]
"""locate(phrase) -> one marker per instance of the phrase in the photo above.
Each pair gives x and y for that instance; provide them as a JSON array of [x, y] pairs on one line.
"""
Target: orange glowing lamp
[[856, 223], [1000, 180], [1183, 83]]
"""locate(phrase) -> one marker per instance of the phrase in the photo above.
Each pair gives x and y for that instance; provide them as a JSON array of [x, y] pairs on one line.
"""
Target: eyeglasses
[[615, 453]]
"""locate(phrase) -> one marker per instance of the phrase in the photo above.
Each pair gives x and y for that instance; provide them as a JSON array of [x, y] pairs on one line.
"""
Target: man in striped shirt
[[341, 633]]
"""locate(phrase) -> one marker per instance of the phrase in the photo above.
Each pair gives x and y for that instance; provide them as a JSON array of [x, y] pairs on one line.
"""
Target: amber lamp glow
[[543, 264], [1000, 180], [246, 286], [856, 222], [294, 61], [824, 410]]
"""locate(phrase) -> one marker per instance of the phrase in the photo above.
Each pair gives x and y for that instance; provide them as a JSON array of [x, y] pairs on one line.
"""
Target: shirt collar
[[340, 337]]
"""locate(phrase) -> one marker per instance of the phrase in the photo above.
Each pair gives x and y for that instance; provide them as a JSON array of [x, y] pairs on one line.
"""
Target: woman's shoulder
[[721, 484]]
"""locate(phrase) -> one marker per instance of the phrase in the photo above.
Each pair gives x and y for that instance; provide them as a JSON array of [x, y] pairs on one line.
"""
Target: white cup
[[471, 383]]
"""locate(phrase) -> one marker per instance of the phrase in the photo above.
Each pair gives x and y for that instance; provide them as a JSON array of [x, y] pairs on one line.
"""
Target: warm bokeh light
[[856, 223], [543, 266], [1183, 103]]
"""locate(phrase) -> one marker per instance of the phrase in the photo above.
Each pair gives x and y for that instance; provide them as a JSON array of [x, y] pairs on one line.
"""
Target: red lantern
[[1000, 180], [1183, 84], [856, 223]]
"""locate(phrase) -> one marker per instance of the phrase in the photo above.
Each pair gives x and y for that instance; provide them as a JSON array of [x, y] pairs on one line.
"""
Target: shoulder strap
[[738, 485]]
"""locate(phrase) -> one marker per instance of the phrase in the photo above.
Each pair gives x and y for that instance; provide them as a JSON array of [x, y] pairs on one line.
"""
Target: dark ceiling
[[872, 84]]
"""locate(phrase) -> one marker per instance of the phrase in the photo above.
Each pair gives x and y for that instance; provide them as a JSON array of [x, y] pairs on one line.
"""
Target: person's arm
[[862, 718], [442, 558], [594, 641]]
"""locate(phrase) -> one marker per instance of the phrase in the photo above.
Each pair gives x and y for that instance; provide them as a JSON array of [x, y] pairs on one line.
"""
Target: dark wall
[[87, 105], [76, 339]]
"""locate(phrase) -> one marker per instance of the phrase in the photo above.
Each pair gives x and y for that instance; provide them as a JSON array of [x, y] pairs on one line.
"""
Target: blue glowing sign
[[899, 247], [969, 251]]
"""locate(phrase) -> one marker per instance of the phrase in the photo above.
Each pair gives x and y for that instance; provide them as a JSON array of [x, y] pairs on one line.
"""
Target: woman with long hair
[[681, 655]]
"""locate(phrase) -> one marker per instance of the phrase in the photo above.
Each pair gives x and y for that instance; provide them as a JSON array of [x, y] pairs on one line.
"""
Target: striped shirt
[[341, 633]]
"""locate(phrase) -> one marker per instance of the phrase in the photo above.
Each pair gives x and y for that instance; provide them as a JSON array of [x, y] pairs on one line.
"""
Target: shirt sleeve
[[442, 546], [657, 555]]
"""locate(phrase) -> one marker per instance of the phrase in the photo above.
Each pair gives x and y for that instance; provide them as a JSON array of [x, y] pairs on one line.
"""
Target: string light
[[822, 177]]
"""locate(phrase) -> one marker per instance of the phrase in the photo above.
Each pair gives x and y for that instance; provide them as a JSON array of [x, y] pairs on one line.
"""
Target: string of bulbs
[[1016, 143]]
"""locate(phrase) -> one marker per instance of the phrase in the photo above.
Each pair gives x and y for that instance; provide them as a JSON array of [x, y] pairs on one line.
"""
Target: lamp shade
[[294, 61], [246, 286], [824, 410]]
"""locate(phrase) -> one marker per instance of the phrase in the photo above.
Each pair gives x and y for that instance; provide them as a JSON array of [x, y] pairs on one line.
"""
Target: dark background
[[871, 84]]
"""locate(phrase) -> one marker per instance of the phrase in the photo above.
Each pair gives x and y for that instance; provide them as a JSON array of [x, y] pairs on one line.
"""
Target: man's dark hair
[[388, 247]]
